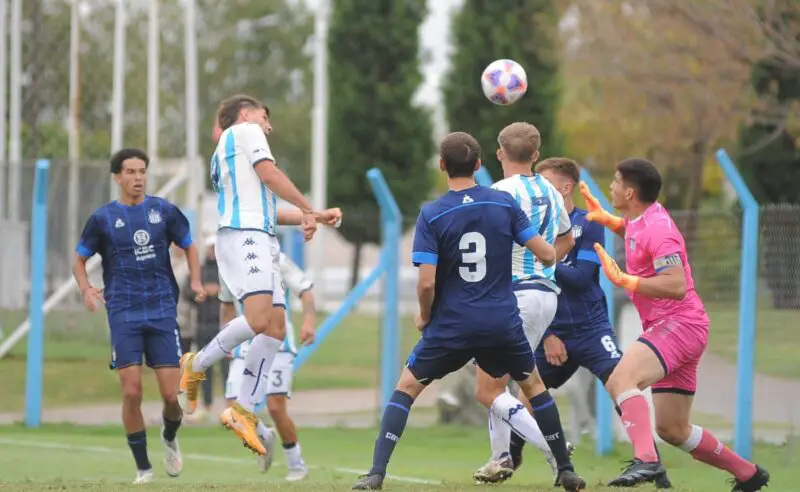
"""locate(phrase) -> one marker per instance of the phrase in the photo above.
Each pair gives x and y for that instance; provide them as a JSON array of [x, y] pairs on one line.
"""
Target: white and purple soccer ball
[[504, 82]]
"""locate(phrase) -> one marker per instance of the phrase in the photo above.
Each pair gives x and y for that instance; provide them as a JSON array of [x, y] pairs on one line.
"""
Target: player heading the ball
[[462, 246]]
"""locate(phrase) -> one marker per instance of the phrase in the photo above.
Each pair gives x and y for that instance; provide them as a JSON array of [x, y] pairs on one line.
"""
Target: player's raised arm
[[526, 235], [89, 244], [598, 214], [425, 255], [178, 232], [564, 240], [297, 281], [669, 281], [581, 274]]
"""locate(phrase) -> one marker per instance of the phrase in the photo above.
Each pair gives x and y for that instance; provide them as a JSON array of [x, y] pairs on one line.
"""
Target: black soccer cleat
[[754, 483], [638, 472], [369, 482], [662, 482], [570, 481]]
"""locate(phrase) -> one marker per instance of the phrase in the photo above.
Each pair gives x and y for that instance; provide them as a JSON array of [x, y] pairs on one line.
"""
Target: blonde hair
[[520, 141]]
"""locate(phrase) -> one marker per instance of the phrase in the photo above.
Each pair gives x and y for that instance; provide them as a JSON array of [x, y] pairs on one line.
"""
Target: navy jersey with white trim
[[582, 302], [469, 236], [134, 243]]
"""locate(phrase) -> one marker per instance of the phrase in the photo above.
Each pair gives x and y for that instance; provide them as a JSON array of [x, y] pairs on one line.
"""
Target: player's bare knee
[[674, 433], [132, 393]]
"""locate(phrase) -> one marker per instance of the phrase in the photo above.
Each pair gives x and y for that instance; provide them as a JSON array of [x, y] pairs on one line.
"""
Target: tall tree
[[374, 122], [483, 31]]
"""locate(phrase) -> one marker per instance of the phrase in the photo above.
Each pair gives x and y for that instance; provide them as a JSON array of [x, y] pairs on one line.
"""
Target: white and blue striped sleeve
[[254, 144]]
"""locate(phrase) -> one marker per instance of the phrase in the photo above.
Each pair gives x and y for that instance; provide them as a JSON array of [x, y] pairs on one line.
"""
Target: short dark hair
[[643, 176], [460, 153], [228, 111], [563, 166], [519, 141], [123, 155]]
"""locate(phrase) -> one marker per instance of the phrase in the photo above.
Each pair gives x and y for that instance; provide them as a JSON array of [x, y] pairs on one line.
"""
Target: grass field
[[435, 459], [77, 354]]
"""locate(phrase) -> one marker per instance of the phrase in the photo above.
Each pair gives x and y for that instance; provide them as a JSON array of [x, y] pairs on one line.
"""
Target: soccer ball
[[504, 82]]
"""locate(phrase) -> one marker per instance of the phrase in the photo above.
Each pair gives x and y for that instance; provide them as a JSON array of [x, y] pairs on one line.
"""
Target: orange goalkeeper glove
[[614, 272], [597, 213]]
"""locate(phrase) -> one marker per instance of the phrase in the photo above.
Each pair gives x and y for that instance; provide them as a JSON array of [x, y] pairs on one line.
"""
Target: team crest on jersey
[[154, 217], [577, 231], [144, 250], [631, 244], [467, 199]]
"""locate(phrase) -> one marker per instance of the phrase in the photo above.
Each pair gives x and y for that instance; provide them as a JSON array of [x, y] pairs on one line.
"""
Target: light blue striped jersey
[[243, 200], [544, 206]]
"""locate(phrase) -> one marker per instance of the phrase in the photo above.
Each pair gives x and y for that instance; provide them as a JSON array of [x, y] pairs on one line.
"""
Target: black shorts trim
[[279, 305], [116, 367], [284, 393], [606, 375], [658, 354], [675, 391], [165, 366], [255, 293]]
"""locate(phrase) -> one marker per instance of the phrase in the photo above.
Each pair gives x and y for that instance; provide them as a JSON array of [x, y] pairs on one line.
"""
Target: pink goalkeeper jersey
[[652, 244]]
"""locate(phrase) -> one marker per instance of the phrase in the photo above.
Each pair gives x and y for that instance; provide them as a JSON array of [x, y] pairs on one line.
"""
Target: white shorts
[[279, 379], [248, 264], [537, 308]]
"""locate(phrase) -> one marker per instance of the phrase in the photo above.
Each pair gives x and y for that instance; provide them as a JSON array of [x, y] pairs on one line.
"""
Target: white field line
[[197, 457]]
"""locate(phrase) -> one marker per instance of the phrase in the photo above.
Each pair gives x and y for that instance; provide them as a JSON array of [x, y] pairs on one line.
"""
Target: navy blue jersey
[[469, 236], [134, 243], [582, 302]]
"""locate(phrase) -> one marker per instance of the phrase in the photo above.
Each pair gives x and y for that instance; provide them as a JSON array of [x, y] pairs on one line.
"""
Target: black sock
[[137, 441], [393, 423], [289, 445], [170, 428], [515, 449], [658, 453], [546, 413]]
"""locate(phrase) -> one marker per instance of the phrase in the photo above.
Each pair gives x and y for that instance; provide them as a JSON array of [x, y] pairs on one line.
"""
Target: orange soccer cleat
[[245, 424], [190, 384]]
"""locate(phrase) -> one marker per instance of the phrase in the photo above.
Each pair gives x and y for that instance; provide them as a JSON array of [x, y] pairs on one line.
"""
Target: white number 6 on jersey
[[473, 255]]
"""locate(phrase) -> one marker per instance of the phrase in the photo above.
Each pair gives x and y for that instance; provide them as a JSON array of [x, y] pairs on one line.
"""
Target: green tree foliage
[[486, 30], [374, 73]]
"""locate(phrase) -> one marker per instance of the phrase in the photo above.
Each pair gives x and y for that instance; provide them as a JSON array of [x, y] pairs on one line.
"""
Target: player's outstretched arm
[[281, 185], [669, 282], [598, 214], [330, 217], [298, 282], [426, 290], [308, 330]]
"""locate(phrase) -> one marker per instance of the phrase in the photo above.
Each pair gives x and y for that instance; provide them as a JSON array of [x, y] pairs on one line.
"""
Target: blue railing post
[[603, 405], [392, 223], [748, 283], [38, 259], [483, 178]]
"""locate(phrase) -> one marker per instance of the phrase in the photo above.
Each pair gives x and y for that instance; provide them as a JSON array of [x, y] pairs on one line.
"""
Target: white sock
[[293, 457], [515, 415], [264, 432], [234, 333], [256, 365], [499, 436]]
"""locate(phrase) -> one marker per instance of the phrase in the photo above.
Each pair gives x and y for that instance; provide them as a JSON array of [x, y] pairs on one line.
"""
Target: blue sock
[[137, 441], [392, 425], [545, 412]]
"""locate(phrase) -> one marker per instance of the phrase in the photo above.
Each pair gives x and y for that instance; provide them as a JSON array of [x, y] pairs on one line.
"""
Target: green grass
[[97, 459], [777, 339], [77, 355]]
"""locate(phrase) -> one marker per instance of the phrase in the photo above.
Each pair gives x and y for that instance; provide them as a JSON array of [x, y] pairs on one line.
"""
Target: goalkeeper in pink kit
[[665, 357]]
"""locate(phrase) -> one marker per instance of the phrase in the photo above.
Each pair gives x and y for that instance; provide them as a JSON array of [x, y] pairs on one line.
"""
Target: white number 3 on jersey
[[473, 256]]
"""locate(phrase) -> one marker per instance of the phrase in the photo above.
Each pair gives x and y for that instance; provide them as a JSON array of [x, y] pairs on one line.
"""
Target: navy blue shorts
[[159, 341], [594, 348], [430, 361]]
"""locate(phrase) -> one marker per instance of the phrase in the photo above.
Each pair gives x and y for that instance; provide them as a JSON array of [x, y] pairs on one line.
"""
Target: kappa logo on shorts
[[249, 241], [250, 256], [254, 270]]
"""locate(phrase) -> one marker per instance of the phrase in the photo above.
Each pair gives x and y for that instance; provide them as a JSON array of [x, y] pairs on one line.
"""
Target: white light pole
[[3, 105], [15, 114], [118, 84], [74, 144], [319, 137], [153, 39]]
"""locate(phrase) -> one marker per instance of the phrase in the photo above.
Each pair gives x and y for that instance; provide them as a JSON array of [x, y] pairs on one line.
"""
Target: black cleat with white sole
[[753, 484], [369, 482], [638, 472]]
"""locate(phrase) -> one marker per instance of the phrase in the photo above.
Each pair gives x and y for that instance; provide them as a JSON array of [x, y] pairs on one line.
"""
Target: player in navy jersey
[[580, 335], [133, 236], [462, 246]]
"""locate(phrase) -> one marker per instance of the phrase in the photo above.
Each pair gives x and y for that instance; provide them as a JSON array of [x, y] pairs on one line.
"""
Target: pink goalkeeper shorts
[[679, 345]]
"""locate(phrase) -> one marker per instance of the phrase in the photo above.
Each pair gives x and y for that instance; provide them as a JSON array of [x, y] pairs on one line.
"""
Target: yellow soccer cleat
[[190, 384], [244, 423]]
